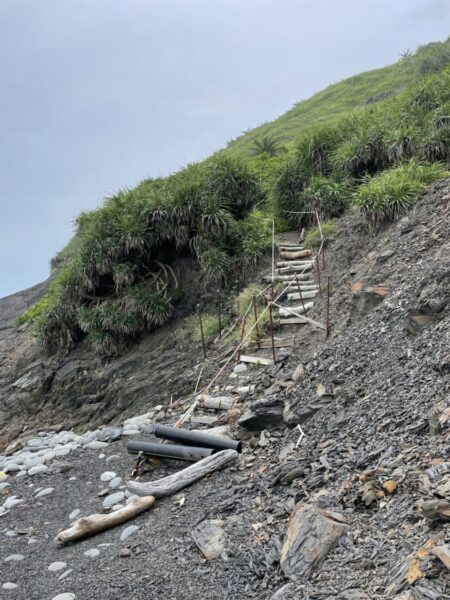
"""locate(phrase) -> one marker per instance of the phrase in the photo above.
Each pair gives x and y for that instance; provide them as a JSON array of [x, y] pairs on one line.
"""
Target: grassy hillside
[[340, 98], [118, 279]]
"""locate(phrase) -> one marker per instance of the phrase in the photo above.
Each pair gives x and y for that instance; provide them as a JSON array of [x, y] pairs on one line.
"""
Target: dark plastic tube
[[196, 439], [191, 453]]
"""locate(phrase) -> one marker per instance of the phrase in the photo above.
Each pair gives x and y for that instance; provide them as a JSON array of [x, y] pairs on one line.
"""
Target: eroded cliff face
[[80, 389]]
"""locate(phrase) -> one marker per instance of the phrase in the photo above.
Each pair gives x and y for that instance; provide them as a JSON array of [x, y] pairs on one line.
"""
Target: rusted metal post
[[201, 329], [323, 257], [300, 292], [328, 327], [220, 317], [271, 324], [255, 312], [238, 354], [318, 272]]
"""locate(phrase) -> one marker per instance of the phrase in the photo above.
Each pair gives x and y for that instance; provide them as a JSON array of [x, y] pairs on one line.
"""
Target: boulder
[[209, 537], [312, 532], [263, 414]]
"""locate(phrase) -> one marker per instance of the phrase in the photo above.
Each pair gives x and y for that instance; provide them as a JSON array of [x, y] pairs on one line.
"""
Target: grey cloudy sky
[[98, 94]]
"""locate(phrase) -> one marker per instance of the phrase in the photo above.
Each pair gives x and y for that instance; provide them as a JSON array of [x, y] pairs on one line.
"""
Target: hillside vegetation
[[118, 279], [347, 95]]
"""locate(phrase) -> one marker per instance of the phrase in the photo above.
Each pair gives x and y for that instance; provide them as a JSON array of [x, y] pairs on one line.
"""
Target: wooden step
[[305, 295], [293, 321], [292, 263], [296, 254], [284, 248], [267, 344], [256, 360], [286, 278], [294, 311], [294, 269]]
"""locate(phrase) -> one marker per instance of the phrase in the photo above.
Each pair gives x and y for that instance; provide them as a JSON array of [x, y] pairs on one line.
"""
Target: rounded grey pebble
[[115, 483], [9, 586], [57, 566], [14, 557], [113, 499], [92, 553], [127, 532], [74, 514], [65, 596]]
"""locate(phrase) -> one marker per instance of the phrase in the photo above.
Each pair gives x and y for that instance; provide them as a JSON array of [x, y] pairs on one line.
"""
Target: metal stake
[[323, 257], [220, 317], [201, 330], [271, 324], [328, 328], [255, 311], [318, 272], [300, 292], [238, 354]]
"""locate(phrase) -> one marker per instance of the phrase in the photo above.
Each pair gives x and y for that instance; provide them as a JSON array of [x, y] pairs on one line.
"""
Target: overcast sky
[[96, 95]]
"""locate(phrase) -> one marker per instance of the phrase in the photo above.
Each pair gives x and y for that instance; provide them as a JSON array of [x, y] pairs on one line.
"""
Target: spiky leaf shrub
[[327, 196], [391, 193]]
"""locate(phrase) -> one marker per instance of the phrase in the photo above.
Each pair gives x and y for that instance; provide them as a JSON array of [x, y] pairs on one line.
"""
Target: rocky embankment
[[342, 490]]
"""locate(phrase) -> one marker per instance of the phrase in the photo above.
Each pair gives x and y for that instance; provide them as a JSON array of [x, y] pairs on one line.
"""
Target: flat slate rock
[[209, 537]]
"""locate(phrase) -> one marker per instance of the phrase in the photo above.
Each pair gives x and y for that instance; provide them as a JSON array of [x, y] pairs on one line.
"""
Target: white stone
[[115, 483], [74, 514], [240, 368], [12, 468], [14, 558], [131, 499], [128, 531], [96, 445], [37, 470], [107, 476], [9, 586], [11, 501], [65, 574], [92, 553], [57, 566], [65, 596], [113, 499], [45, 492]]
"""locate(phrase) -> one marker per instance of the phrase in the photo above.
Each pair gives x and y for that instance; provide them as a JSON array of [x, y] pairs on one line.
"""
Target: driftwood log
[[218, 403], [294, 269], [173, 483], [305, 294], [287, 278], [87, 526]]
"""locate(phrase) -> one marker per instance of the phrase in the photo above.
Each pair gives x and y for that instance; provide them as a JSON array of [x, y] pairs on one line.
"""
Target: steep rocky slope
[[372, 401]]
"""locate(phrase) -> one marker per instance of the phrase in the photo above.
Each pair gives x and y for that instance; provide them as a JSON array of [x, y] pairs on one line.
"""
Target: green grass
[[340, 98], [313, 236], [191, 327]]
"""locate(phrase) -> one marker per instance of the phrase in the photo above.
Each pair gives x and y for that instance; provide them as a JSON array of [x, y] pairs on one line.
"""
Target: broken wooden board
[[267, 344], [294, 269], [256, 360], [292, 263]]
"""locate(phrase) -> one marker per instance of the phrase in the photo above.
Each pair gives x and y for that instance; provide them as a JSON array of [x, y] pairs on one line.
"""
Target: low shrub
[[391, 193]]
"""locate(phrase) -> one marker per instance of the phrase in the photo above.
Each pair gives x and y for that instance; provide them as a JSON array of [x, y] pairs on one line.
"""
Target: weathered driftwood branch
[[292, 263], [95, 523], [173, 483], [286, 278]]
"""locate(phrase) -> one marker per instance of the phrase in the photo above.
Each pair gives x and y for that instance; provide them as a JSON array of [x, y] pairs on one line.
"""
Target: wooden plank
[[287, 278], [268, 345], [294, 269], [256, 360], [297, 254], [286, 311], [292, 263], [305, 295], [293, 321]]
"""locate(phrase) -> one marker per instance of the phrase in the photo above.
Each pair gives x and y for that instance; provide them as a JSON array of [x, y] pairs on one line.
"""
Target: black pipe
[[197, 439], [191, 453]]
